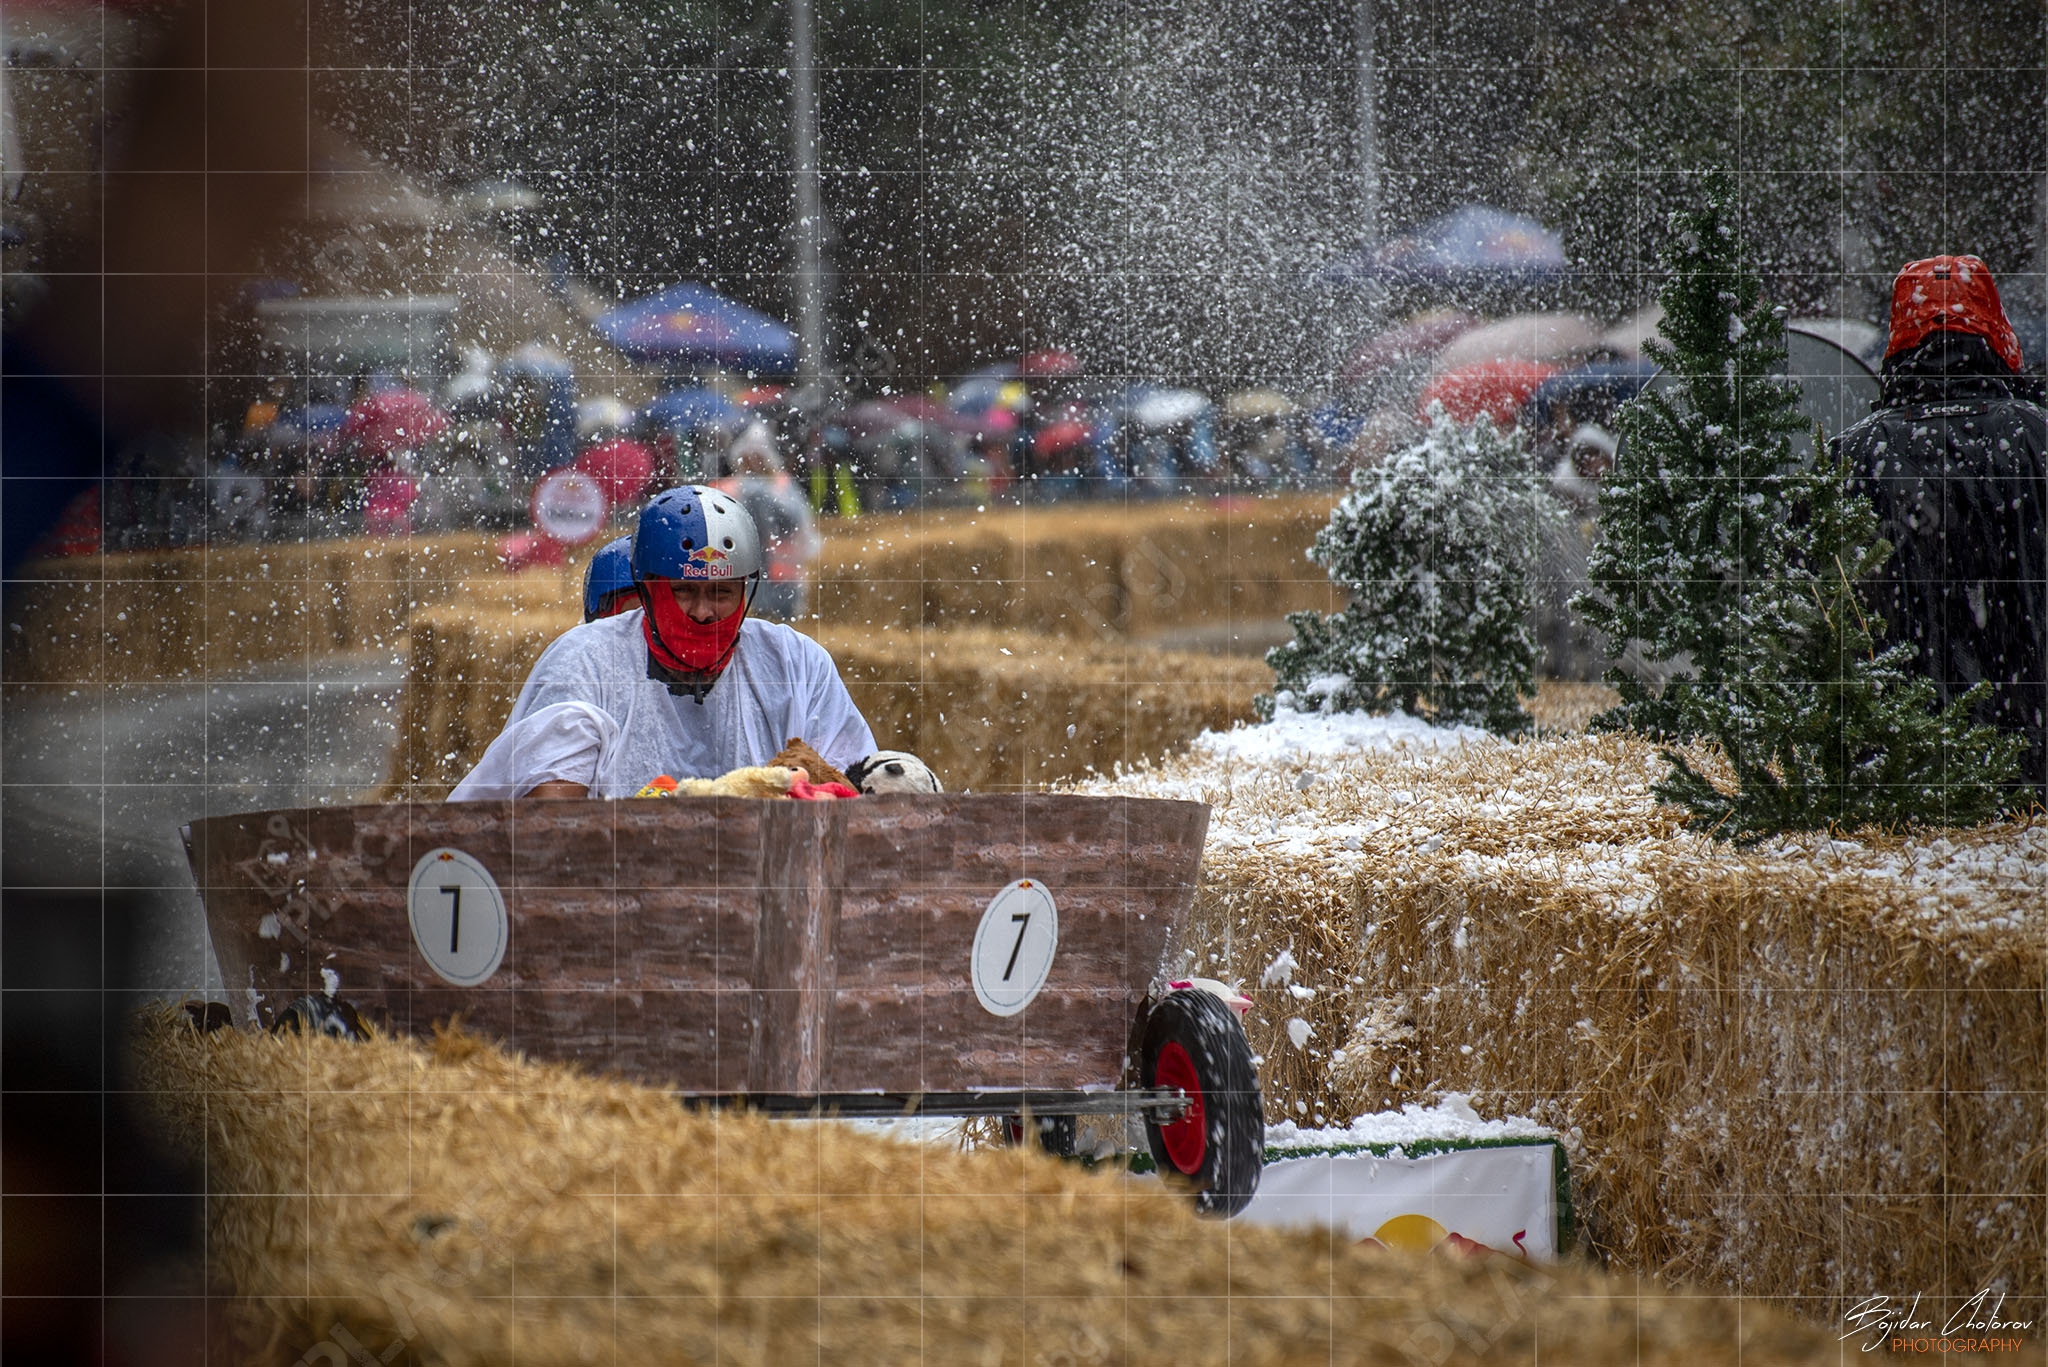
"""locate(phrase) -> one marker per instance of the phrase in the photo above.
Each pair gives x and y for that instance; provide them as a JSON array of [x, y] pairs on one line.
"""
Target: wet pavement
[[95, 781]]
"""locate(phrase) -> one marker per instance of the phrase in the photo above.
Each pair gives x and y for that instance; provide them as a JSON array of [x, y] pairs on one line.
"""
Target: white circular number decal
[[1013, 949], [569, 506], [458, 917]]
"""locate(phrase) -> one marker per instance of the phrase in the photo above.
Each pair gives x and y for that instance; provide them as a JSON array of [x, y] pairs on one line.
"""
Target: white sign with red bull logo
[[569, 506], [1500, 1198]]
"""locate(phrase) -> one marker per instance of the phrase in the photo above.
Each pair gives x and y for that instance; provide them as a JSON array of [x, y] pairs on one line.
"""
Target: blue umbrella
[[1472, 243], [1615, 381], [690, 325], [689, 408]]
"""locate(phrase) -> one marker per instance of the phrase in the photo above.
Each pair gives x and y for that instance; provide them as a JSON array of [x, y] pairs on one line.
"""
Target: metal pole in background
[[1367, 20], [810, 207]]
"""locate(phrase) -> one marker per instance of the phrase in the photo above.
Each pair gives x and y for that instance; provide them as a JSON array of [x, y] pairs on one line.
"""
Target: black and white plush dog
[[894, 771]]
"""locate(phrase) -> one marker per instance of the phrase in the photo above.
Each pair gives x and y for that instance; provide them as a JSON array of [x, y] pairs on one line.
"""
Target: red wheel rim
[[1187, 1138]]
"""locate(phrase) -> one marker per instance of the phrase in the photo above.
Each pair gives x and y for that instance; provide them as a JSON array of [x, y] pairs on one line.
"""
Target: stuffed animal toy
[[762, 780], [798, 755], [894, 771]]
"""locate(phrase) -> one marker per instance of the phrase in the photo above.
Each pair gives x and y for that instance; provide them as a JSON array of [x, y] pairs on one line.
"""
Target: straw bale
[[473, 1208], [1087, 572], [987, 710], [1817, 1070], [203, 612], [1564, 706], [992, 710]]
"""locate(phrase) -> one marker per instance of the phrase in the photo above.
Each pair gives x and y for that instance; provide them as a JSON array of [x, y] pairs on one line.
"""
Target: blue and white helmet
[[609, 572], [696, 532]]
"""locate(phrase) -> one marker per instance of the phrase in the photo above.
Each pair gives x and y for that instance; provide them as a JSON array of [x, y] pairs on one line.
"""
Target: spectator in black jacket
[[1953, 460]]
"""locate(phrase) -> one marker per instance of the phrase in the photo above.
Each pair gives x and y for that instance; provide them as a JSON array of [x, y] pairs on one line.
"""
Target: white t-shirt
[[778, 684]]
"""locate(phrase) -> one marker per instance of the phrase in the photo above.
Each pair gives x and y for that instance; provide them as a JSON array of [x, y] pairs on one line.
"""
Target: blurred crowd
[[386, 454], [391, 454]]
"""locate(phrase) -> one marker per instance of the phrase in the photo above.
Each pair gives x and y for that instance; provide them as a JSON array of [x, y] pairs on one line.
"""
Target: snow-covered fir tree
[[1694, 513], [1822, 730], [1720, 545], [1437, 547]]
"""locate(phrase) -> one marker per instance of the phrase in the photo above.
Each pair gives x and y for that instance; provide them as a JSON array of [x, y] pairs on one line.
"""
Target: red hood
[[1950, 294]]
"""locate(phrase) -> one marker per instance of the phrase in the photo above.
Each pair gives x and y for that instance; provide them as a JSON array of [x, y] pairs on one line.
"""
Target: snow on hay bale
[[1812, 1070], [986, 709], [477, 1208]]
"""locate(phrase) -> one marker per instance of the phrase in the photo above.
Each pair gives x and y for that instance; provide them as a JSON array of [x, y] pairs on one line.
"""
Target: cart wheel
[[1194, 1042], [320, 1016], [1055, 1133]]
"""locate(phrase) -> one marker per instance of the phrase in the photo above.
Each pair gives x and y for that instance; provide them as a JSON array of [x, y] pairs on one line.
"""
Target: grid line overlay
[[340, 702]]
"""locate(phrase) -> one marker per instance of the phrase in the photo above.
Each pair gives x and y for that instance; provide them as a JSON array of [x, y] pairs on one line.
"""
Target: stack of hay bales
[[991, 710], [454, 1204], [1088, 572], [197, 613], [1817, 1070], [986, 709]]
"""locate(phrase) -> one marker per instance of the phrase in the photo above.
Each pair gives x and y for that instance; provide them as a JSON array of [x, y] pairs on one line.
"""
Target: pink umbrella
[[1554, 337], [1418, 339], [393, 420], [623, 466], [389, 511]]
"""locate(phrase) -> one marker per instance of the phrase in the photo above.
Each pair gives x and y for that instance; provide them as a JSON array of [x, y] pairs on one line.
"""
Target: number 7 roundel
[[458, 917], [1014, 947]]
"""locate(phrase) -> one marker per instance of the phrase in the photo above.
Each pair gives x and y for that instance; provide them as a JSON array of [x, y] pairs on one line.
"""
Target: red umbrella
[[622, 466], [1048, 364], [1059, 438], [393, 420], [1495, 388]]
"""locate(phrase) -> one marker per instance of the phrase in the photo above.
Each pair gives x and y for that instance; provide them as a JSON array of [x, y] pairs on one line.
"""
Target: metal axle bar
[[1161, 1103]]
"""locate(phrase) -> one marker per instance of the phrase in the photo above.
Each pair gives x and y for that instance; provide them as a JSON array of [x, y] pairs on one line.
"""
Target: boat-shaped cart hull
[[723, 947]]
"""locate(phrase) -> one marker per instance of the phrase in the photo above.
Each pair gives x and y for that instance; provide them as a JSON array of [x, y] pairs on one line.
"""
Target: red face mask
[[681, 644]]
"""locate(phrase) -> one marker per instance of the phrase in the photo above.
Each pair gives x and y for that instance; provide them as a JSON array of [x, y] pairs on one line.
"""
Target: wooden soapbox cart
[[948, 954]]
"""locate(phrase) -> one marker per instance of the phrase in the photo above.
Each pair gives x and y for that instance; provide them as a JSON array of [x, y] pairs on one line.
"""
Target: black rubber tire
[[320, 1016], [1234, 1119]]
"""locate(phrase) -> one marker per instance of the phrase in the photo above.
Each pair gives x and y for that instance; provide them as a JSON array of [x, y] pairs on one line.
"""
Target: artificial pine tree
[[1719, 546], [1437, 547], [1820, 730], [1692, 517]]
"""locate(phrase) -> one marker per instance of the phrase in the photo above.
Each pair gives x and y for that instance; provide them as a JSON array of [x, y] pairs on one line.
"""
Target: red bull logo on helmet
[[708, 562]]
